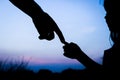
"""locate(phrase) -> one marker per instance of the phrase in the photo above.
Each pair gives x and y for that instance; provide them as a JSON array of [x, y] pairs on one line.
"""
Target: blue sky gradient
[[81, 21]]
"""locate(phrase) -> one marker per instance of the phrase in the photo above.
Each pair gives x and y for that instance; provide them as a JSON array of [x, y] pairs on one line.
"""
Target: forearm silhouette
[[44, 24], [73, 51]]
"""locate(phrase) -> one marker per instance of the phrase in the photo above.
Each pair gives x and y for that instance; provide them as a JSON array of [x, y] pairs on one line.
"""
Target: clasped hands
[[46, 27]]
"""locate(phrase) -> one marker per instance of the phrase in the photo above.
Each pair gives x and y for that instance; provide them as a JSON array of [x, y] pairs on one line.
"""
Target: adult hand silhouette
[[45, 25], [72, 50]]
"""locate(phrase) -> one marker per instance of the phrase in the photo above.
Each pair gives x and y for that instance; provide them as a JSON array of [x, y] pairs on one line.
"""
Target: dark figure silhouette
[[110, 67], [44, 24]]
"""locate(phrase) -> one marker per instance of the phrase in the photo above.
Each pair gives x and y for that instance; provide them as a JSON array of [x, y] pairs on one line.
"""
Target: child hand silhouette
[[72, 50]]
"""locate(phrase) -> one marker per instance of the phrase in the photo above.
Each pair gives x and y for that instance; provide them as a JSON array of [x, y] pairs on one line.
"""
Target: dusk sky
[[81, 22]]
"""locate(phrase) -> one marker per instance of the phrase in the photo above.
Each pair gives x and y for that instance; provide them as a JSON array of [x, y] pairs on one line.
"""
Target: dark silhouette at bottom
[[22, 73]]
